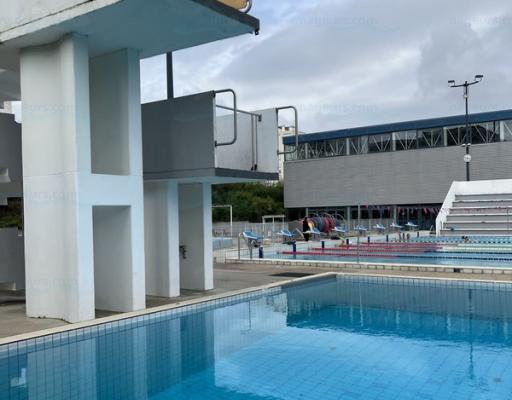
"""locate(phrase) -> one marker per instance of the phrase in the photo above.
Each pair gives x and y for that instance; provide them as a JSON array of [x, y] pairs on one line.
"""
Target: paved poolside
[[227, 278]]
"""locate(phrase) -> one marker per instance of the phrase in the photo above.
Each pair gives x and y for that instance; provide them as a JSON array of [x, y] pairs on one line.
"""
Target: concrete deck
[[227, 278]]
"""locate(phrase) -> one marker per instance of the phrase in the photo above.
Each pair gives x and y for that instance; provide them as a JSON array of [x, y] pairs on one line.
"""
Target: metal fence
[[273, 244]]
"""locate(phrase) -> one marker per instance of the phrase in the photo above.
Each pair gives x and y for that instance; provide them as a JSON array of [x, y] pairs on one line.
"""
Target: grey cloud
[[360, 62]]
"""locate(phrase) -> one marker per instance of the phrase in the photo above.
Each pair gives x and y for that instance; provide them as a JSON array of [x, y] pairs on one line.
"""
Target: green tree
[[11, 215], [250, 201]]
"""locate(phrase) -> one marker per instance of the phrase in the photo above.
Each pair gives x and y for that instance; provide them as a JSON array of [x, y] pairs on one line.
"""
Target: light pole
[[467, 136]]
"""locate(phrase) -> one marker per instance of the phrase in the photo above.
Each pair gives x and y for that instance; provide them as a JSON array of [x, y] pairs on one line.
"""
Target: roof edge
[[402, 126]]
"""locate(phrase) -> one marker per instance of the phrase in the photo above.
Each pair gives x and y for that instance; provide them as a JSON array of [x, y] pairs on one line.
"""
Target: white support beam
[[195, 206]]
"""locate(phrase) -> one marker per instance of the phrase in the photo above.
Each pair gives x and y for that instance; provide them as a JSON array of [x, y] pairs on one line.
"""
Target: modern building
[[399, 171], [117, 196]]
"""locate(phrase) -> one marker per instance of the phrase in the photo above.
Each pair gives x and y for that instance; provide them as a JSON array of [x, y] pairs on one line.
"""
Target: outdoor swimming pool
[[456, 260], [347, 337], [478, 252]]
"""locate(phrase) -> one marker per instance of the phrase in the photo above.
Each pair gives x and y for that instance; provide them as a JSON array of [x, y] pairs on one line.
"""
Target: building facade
[[396, 172]]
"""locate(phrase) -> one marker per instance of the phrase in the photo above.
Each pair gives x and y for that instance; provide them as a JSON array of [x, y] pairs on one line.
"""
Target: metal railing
[[235, 118], [255, 119], [296, 112], [273, 244]]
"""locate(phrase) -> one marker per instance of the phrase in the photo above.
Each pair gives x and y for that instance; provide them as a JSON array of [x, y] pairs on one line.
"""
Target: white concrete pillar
[[195, 209], [161, 226], [116, 161], [60, 98], [56, 152]]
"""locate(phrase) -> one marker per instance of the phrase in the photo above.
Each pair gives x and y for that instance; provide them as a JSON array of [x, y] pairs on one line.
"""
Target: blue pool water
[[433, 258], [346, 338]]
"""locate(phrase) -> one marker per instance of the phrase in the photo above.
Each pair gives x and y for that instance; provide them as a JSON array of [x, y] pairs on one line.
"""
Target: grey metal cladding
[[10, 148], [400, 177], [178, 134]]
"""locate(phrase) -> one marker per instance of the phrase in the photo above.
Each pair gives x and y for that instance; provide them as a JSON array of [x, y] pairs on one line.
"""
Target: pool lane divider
[[387, 255]]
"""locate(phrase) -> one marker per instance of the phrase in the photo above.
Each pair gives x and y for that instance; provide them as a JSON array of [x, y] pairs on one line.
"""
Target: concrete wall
[[195, 215], [16, 13], [161, 238], [401, 177]]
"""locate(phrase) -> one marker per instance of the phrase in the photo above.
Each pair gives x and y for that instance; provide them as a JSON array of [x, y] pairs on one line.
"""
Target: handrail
[[279, 153], [259, 116], [235, 118]]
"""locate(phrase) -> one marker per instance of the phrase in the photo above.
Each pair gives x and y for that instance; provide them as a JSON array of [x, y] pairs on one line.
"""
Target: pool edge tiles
[[84, 330], [434, 281], [495, 270]]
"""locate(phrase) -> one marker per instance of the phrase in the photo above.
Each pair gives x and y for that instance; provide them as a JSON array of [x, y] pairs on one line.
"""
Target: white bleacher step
[[482, 203], [507, 225], [478, 210], [486, 196], [479, 217], [475, 232]]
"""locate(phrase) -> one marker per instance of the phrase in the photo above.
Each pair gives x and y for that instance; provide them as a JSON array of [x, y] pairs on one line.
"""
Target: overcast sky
[[348, 63]]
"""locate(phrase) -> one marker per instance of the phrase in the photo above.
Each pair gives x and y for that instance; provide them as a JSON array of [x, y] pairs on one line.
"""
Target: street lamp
[[467, 136]]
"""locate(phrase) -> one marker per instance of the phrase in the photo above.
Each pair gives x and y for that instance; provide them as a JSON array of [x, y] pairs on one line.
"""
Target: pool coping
[[262, 288], [153, 310], [465, 269]]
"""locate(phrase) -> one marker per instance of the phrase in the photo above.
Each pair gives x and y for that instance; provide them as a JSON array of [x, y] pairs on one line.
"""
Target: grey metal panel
[[260, 149], [211, 173], [12, 258], [178, 134], [10, 157], [402, 177]]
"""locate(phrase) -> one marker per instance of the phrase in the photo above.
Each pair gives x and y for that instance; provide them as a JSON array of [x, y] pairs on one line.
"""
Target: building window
[[335, 147], [429, 138], [406, 140], [302, 151], [455, 135], [379, 143], [358, 145], [487, 132], [289, 156], [315, 149], [507, 130]]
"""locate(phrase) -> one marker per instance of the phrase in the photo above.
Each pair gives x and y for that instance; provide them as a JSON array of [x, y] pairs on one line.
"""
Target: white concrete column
[[82, 155], [56, 152], [161, 226], [195, 209], [116, 186]]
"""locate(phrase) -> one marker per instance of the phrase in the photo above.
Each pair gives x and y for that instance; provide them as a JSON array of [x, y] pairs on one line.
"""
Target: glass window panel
[[301, 153], [455, 135], [406, 140], [429, 138], [335, 147], [507, 130], [358, 145], [379, 143], [485, 133], [289, 156]]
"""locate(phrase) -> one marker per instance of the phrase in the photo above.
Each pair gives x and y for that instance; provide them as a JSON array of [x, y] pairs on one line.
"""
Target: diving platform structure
[[117, 196]]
